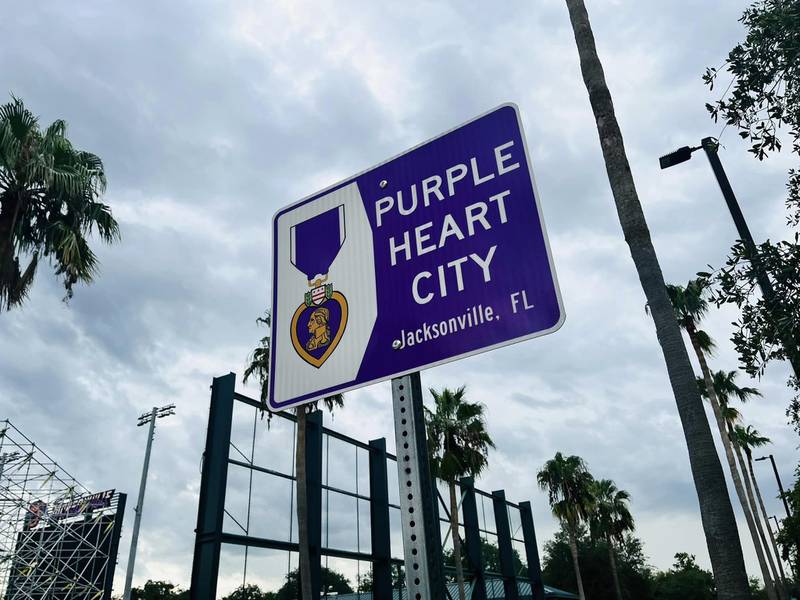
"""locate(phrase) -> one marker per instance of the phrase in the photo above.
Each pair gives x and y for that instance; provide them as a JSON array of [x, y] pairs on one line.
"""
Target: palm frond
[[707, 344], [748, 438], [53, 192], [569, 487], [611, 517], [258, 361], [688, 302], [15, 284], [458, 442], [725, 387]]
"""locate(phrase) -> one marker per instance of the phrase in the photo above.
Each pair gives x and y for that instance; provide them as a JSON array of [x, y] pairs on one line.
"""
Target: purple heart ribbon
[[316, 242]]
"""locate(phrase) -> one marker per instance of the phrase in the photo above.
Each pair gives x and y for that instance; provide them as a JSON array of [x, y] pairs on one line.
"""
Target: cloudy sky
[[211, 116]]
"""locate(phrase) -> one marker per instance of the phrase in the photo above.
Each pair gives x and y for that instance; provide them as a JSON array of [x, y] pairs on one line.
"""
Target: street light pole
[[783, 496], [780, 485], [711, 147], [145, 419], [777, 523]]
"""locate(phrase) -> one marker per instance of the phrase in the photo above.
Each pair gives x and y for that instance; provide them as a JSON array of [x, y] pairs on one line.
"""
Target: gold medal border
[[300, 349]]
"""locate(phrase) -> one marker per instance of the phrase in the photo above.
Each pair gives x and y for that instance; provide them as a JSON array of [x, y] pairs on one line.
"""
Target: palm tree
[[748, 438], [49, 205], [458, 445], [690, 307], [569, 487], [258, 368], [719, 522], [725, 388], [610, 520], [258, 361]]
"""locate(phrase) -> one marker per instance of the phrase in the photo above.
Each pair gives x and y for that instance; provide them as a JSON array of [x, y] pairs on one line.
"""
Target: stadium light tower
[[148, 418]]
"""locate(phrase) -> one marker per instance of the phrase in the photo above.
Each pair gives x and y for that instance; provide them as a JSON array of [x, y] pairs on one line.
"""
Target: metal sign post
[[434, 255], [422, 546]]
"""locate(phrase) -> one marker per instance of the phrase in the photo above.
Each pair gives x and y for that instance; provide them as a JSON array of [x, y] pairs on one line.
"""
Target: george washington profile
[[319, 329]]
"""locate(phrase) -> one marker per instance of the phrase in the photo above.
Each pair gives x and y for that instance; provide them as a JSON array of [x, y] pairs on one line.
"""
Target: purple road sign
[[434, 255]]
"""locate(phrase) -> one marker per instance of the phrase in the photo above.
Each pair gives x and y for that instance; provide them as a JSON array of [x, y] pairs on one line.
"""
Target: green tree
[[398, 579], [458, 445], [748, 438], [490, 556], [332, 581], [569, 487], [761, 79], [158, 590], [758, 591], [634, 573], [790, 527], [611, 520], [249, 592], [49, 205], [719, 522], [258, 369], [685, 581], [690, 306]]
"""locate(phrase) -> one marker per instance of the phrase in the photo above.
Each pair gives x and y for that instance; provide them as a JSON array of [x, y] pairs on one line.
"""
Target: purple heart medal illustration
[[319, 322]]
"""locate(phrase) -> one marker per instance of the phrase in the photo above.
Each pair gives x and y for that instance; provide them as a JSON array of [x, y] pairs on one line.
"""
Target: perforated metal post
[[314, 498], [421, 546]]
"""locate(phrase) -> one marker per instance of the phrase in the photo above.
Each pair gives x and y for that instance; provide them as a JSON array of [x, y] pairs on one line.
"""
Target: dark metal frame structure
[[210, 536]]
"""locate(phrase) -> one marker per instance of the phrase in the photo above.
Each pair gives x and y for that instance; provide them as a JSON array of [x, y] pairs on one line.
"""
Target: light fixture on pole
[[783, 494], [148, 418], [778, 479], [777, 523], [711, 148]]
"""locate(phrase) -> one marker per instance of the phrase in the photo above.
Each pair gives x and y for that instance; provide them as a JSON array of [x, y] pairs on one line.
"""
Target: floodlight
[[677, 157], [148, 418]]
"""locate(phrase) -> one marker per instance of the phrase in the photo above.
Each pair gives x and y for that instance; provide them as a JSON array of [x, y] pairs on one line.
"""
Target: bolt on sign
[[431, 256]]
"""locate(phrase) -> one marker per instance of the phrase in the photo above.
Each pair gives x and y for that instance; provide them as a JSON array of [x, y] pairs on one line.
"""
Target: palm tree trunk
[[754, 511], [612, 559], [8, 225], [769, 529], [8, 218], [573, 548], [304, 575], [727, 445], [462, 594], [719, 522]]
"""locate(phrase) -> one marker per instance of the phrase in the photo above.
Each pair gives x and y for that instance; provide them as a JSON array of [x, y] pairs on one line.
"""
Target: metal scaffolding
[[58, 540]]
